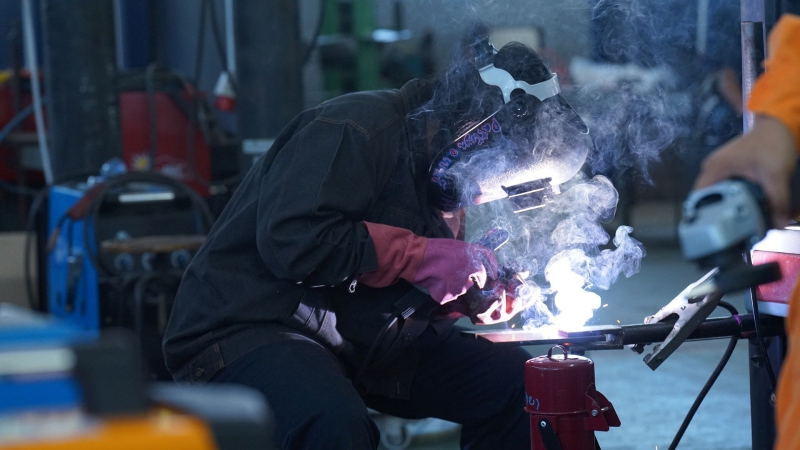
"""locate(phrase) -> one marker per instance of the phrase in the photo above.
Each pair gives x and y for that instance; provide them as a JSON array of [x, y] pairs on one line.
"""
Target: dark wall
[[9, 14]]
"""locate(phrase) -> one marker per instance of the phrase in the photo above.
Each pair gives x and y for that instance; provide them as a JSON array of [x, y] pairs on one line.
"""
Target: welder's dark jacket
[[286, 250]]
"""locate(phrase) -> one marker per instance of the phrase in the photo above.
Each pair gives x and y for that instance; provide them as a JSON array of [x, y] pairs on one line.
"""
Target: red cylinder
[[563, 401]]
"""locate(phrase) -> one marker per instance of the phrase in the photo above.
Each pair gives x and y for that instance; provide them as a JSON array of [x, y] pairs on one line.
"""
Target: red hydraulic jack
[[565, 407]]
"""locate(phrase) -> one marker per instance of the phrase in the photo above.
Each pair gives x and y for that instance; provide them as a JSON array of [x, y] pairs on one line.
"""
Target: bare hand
[[765, 156]]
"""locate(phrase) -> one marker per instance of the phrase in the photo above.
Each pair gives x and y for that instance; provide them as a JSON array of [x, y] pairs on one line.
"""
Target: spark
[[605, 306], [618, 321]]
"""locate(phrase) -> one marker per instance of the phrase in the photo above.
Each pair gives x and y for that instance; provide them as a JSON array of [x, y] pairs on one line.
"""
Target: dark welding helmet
[[523, 151]]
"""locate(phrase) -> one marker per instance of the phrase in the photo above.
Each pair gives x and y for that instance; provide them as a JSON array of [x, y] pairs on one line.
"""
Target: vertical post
[[268, 70], [81, 79], [753, 51], [762, 415]]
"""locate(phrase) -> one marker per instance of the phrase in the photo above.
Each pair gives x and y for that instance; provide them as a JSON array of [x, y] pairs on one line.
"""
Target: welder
[[768, 156], [332, 280]]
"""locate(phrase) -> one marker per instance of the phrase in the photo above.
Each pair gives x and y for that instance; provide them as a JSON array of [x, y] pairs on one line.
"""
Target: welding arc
[[711, 380]]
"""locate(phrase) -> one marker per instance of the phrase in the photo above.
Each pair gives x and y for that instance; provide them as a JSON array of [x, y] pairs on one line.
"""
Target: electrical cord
[[315, 38], [711, 380], [194, 104], [150, 88], [4, 132], [29, 236], [18, 190], [93, 210], [30, 57], [761, 347], [221, 51], [374, 347], [195, 109], [16, 120]]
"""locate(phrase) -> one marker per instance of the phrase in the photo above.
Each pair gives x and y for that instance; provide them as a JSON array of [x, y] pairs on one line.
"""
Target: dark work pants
[[459, 379]]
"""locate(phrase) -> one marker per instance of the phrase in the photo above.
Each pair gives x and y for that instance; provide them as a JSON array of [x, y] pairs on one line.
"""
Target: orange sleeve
[[776, 93], [787, 407]]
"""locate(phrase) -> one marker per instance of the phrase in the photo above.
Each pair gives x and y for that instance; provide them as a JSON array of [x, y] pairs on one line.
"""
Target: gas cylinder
[[563, 402]]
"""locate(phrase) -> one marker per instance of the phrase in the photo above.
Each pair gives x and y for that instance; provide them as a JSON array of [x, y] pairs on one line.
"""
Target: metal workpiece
[[636, 336]]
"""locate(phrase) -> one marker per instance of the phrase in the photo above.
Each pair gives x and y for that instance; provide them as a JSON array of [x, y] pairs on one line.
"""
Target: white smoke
[[566, 251]]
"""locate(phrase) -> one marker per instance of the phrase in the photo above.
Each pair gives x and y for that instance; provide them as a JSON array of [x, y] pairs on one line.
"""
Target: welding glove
[[496, 303], [447, 268]]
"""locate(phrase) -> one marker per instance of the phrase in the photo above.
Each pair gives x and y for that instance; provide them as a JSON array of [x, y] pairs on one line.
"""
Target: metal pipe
[[752, 16], [33, 68], [752, 56], [719, 327], [230, 41], [610, 337]]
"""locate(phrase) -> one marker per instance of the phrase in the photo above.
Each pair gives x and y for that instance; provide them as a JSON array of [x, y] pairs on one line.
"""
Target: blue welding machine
[[72, 281], [117, 250]]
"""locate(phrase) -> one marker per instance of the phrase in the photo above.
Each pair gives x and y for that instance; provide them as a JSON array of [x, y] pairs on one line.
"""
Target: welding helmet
[[523, 150]]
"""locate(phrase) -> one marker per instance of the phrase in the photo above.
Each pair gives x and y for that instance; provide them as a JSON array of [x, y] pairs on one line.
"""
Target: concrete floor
[[652, 405]]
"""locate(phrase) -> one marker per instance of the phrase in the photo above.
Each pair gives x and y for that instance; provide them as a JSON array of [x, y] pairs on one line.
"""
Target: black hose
[[221, 51], [761, 347], [23, 191], [93, 210], [374, 347], [149, 83], [29, 234], [16, 120], [4, 132], [711, 380], [315, 38]]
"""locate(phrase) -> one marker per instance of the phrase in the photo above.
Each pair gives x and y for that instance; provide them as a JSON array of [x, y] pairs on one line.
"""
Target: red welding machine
[[565, 407]]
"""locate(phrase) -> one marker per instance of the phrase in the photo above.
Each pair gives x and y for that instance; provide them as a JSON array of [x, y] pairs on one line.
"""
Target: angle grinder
[[720, 224]]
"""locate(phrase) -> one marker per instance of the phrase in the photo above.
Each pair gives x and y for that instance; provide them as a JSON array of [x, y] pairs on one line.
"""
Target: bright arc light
[[575, 305]]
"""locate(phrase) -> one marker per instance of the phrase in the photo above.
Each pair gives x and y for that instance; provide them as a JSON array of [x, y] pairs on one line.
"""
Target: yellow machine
[[61, 388]]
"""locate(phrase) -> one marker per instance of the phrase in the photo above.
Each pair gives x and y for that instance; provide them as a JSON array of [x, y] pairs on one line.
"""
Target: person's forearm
[[777, 92], [730, 87]]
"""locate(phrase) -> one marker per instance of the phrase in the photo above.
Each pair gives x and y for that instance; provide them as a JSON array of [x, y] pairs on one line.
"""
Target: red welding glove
[[497, 303], [447, 268]]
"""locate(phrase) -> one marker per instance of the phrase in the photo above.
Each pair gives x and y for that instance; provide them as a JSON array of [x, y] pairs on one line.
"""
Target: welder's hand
[[494, 304], [447, 268], [766, 156], [450, 267]]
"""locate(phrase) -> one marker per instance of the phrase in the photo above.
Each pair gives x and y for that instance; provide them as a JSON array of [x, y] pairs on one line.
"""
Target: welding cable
[[150, 89], [221, 51], [198, 202], [760, 339], [29, 42], [194, 107], [36, 305], [93, 211], [195, 111], [711, 380], [140, 291], [7, 129], [315, 38], [374, 347]]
